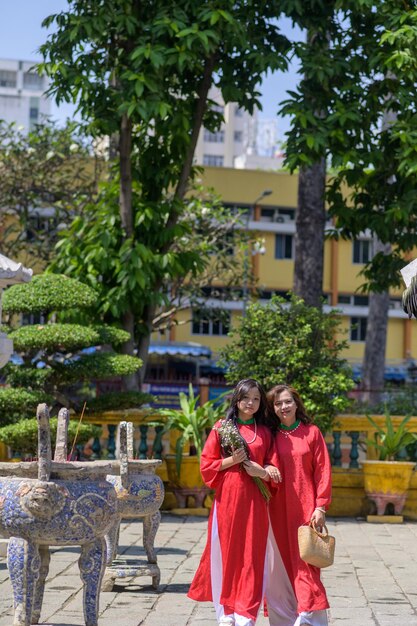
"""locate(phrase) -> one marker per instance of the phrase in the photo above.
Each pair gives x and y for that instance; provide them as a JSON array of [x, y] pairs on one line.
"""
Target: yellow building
[[273, 219]]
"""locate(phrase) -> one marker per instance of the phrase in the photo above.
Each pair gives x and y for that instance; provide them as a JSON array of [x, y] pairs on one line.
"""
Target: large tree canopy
[[140, 74]]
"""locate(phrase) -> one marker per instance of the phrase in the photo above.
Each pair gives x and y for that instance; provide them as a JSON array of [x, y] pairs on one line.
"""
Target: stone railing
[[148, 440], [347, 441]]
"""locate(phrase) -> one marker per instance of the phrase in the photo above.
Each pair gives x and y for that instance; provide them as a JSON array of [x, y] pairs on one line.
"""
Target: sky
[[21, 34]]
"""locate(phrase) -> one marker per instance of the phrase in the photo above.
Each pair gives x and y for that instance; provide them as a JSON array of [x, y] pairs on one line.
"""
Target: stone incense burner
[[140, 493], [54, 502]]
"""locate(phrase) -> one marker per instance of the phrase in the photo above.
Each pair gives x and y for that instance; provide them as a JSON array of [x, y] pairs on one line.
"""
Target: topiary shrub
[[47, 293], [57, 364], [114, 401], [18, 403], [23, 436], [290, 342]]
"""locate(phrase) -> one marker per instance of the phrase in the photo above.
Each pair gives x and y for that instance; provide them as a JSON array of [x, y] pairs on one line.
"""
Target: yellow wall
[[245, 186], [274, 273]]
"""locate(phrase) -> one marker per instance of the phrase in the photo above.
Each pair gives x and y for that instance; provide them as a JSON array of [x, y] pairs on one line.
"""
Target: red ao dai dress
[[231, 571], [306, 484]]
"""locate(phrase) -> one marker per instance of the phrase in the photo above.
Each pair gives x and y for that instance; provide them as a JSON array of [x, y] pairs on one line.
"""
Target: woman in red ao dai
[[232, 569], [304, 495]]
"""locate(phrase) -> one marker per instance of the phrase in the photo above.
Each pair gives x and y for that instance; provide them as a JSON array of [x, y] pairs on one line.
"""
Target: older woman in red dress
[[304, 495]]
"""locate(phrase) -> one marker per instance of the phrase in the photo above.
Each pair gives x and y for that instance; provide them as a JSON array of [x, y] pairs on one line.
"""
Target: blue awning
[[397, 374], [177, 348]]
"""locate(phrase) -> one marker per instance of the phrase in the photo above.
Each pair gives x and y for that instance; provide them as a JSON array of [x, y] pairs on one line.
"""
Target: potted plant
[[192, 421], [386, 480]]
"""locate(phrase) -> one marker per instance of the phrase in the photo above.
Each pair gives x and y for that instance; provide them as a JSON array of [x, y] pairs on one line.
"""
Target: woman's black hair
[[262, 415]]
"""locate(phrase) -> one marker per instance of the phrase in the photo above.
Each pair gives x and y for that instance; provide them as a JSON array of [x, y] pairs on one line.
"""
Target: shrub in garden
[[289, 342], [55, 366]]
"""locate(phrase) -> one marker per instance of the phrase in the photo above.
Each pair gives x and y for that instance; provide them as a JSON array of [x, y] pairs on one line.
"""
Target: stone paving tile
[[372, 583]]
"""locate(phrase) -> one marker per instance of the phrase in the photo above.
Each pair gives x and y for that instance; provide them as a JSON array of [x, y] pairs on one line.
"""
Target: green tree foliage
[[53, 361], [289, 342], [23, 437], [44, 175], [140, 73], [363, 74]]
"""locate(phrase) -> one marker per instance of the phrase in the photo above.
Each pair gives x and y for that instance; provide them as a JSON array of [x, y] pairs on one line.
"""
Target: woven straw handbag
[[316, 548]]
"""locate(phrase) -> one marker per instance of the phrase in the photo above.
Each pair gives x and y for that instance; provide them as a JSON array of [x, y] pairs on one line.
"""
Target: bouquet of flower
[[230, 440]]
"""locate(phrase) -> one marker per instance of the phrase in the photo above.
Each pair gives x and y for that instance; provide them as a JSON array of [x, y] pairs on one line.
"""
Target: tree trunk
[[125, 199], [200, 108], [309, 234], [125, 147], [373, 367], [132, 381], [144, 340]]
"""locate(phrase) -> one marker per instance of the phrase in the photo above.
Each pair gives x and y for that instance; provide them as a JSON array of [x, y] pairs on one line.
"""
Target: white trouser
[[217, 577], [282, 604], [312, 618]]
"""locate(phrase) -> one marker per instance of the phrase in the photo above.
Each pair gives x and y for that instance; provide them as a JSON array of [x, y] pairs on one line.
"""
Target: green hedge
[[65, 337], [18, 403], [54, 338], [23, 436], [91, 366], [22, 376], [47, 293], [114, 401]]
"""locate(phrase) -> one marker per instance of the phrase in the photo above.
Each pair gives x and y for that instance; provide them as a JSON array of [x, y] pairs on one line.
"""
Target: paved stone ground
[[373, 581]]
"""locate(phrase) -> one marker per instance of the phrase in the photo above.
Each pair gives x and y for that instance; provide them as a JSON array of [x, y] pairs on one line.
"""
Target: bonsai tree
[[287, 341], [55, 366]]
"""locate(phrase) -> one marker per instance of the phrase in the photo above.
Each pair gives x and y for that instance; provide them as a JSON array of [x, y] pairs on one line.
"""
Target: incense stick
[[76, 432]]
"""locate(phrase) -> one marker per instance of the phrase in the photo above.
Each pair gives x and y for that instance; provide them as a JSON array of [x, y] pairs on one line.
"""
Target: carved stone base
[[199, 494], [130, 568], [382, 500]]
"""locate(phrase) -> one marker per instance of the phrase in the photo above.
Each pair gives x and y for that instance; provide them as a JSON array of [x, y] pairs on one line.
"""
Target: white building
[[236, 137], [22, 98]]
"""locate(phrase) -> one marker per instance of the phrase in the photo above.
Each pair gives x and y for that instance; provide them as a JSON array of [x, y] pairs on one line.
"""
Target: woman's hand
[[274, 473], [239, 456], [319, 519], [254, 469]]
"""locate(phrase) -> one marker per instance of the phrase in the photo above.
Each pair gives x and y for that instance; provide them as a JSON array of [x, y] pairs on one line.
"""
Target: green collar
[[251, 421], [292, 427]]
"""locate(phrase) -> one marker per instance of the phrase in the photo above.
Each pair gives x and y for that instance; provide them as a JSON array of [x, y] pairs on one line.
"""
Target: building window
[[361, 300], [343, 298], [217, 137], [238, 136], [238, 111], [362, 251], [284, 246], [8, 78], [358, 328], [32, 81], [214, 160], [34, 111], [213, 322]]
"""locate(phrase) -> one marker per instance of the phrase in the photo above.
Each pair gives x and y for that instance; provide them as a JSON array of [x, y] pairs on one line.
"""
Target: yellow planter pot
[[387, 482], [190, 476], [189, 483]]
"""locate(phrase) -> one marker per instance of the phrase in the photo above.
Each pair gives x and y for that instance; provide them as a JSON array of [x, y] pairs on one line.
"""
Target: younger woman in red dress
[[304, 495], [231, 571]]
